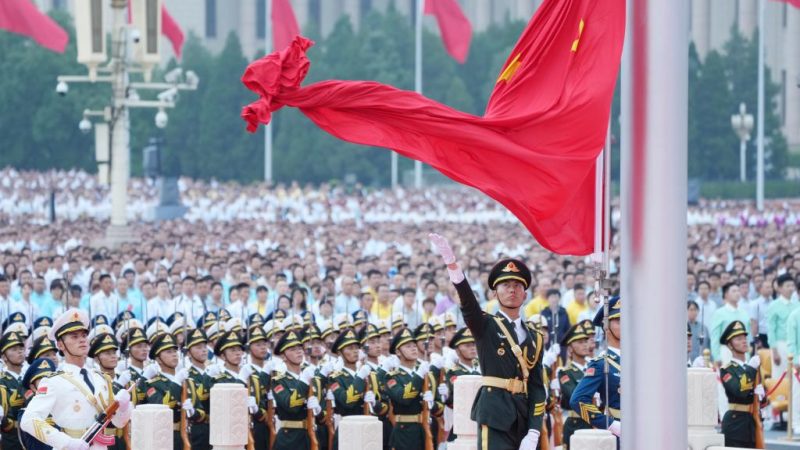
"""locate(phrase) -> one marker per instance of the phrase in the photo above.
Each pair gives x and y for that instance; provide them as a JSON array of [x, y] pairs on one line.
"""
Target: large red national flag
[[22, 17], [533, 150], [453, 25], [284, 24], [173, 32], [795, 3]]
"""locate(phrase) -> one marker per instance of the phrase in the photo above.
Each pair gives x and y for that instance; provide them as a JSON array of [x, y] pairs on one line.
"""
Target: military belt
[[407, 418], [299, 424], [739, 407], [74, 432], [615, 413], [573, 415], [512, 385], [117, 432]]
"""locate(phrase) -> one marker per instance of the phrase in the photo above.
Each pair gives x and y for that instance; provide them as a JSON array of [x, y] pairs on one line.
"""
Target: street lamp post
[[742, 124], [126, 39]]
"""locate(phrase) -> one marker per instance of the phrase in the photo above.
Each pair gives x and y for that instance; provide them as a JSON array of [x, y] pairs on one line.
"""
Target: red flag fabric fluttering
[[795, 3], [453, 25], [173, 32], [534, 150], [22, 17], [284, 24]]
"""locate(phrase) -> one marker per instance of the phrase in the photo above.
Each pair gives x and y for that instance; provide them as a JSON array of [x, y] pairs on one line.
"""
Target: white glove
[[188, 407], [326, 369], [150, 371], [442, 248], [76, 444], [329, 396], [338, 364], [270, 397], [245, 372], [269, 366], [307, 375], [390, 363], [614, 428], [313, 405], [181, 376], [437, 361], [755, 362], [124, 378], [369, 397], [427, 397], [549, 358], [443, 392], [2, 413], [450, 359], [423, 369], [530, 441], [759, 391], [124, 399], [555, 385], [361, 355], [336, 419], [699, 362], [364, 372], [212, 370], [277, 423], [555, 348], [251, 405]]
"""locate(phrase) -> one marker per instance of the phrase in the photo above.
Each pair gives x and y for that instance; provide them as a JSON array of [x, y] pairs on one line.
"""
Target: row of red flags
[[22, 17]]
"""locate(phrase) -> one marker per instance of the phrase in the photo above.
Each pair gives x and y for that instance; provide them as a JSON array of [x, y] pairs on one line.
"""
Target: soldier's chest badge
[[501, 351], [76, 407]]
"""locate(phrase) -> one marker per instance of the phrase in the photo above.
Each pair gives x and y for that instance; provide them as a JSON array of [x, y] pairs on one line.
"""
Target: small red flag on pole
[[22, 17], [454, 26]]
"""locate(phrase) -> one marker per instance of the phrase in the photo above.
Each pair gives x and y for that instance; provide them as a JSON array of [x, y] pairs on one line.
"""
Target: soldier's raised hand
[[443, 248]]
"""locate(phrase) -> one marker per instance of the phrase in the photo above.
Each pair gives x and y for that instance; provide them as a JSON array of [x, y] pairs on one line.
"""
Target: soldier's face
[[373, 347], [108, 359], [468, 351], [409, 351], [259, 349], [15, 355], [140, 350], [199, 353], [233, 355], [294, 355], [350, 354], [580, 347], [738, 344], [75, 343], [169, 358], [511, 293]]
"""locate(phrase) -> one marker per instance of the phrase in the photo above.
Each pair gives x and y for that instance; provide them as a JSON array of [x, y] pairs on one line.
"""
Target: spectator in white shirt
[[188, 303], [105, 300], [162, 305]]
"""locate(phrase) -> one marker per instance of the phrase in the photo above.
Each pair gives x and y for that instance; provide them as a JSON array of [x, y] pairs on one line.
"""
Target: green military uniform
[[424, 334], [462, 336], [405, 390], [739, 380], [290, 395], [512, 399], [377, 382], [11, 396], [163, 390], [199, 385], [568, 378], [99, 344], [132, 337], [258, 386], [347, 387]]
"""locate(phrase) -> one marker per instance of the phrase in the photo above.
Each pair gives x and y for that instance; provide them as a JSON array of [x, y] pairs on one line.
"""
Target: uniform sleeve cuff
[[456, 275]]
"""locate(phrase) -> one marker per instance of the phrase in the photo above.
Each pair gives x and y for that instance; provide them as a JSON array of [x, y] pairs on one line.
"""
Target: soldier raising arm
[[510, 405]]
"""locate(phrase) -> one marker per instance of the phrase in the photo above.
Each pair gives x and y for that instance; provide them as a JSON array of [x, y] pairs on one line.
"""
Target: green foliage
[[206, 138], [736, 189]]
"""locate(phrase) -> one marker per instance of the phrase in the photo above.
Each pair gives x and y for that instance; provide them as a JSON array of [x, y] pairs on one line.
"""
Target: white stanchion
[[229, 427], [702, 409], [151, 427], [466, 430], [362, 432], [593, 440]]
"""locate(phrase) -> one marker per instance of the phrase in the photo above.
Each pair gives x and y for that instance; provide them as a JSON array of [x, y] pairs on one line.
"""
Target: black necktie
[[85, 374]]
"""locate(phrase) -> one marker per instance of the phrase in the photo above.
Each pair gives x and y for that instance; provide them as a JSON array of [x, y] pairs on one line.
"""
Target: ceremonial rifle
[[251, 441], [273, 433], [187, 443], [367, 407], [126, 431], [558, 415], [312, 433], [442, 432], [101, 422], [755, 409]]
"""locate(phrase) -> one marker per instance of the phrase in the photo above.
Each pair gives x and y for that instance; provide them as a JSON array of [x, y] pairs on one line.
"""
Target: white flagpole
[[760, 112], [268, 129], [654, 163], [418, 76]]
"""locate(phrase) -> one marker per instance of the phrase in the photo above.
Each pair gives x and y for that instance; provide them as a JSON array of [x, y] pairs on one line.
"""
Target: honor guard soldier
[[165, 388], [136, 348], [510, 406], [404, 386], [370, 338], [576, 341], [291, 393], [199, 388], [229, 349], [66, 403], [739, 379], [594, 379], [12, 347], [103, 349], [257, 374], [348, 386], [463, 343], [39, 368]]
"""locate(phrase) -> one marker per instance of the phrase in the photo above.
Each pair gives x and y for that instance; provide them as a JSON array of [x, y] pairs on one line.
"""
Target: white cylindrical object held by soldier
[[593, 440], [151, 427], [362, 432], [229, 425]]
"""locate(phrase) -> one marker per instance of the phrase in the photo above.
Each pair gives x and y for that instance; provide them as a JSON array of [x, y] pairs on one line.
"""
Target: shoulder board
[[55, 374], [394, 372], [278, 375], [726, 366]]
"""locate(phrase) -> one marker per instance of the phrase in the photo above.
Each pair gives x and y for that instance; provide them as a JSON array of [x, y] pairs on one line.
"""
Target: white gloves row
[[124, 378], [443, 392], [124, 399], [427, 397], [423, 369], [364, 372], [551, 355], [755, 362], [313, 405], [307, 375], [188, 407], [150, 371], [759, 391], [390, 363], [252, 406], [437, 361]]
